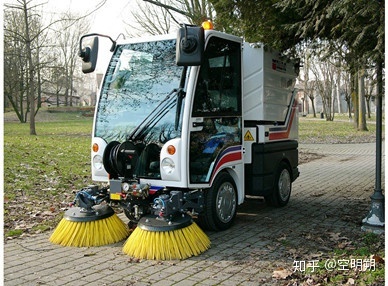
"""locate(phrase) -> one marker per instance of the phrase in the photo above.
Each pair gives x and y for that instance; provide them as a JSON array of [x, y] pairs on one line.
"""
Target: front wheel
[[282, 187], [220, 204]]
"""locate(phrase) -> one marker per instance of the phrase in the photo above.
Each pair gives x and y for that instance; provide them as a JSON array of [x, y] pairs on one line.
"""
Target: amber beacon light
[[207, 25]]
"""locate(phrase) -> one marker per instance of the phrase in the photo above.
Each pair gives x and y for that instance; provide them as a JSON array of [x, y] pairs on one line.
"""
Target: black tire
[[220, 204], [282, 187]]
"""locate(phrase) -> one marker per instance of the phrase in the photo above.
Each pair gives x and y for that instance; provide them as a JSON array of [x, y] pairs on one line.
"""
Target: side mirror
[[190, 45], [89, 55]]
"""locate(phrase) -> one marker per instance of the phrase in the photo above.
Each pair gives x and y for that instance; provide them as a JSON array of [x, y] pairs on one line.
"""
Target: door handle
[[198, 124]]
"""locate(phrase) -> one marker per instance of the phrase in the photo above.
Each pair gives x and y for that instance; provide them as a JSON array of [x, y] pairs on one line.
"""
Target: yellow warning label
[[115, 197], [248, 136]]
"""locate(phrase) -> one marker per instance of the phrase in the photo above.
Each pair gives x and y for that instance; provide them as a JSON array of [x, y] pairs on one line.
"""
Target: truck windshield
[[138, 96]]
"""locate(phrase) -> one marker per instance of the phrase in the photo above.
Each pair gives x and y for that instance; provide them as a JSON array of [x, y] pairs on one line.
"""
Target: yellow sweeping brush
[[96, 226], [158, 239]]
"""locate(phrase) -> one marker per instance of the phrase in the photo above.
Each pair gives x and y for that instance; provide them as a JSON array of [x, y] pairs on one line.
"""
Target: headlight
[[97, 162], [168, 166]]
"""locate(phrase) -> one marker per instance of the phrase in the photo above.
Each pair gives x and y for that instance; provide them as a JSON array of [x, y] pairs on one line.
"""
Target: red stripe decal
[[227, 158], [284, 134]]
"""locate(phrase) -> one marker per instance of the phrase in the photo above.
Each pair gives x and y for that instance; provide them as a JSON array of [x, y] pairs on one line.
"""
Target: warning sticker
[[248, 136], [115, 196]]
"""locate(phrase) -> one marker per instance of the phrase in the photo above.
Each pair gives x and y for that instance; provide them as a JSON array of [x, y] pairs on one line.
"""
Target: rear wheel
[[220, 204], [282, 187]]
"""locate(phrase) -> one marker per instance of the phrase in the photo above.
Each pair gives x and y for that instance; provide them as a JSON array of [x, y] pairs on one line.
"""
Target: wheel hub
[[226, 202], [284, 185]]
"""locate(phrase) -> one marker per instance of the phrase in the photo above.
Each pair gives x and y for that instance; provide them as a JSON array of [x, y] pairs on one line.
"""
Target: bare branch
[[168, 7]]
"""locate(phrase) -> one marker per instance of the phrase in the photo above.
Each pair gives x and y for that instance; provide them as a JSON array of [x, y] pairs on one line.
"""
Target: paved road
[[329, 199]]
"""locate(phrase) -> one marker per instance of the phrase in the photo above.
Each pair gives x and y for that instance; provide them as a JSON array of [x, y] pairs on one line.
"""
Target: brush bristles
[[93, 233], [167, 245]]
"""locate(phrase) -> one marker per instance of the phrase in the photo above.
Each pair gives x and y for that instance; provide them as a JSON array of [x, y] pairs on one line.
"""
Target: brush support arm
[[90, 196], [166, 205]]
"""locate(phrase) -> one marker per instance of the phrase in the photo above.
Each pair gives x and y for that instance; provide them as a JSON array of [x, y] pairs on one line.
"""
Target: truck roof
[[153, 38], [171, 36]]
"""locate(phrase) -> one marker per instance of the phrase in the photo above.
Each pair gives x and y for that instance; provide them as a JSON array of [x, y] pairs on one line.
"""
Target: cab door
[[215, 136]]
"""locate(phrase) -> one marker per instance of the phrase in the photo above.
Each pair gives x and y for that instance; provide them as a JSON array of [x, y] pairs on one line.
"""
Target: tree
[[358, 25], [324, 73], [370, 88], [309, 85], [309, 89], [285, 24], [67, 34], [258, 21], [24, 30], [160, 16], [361, 101], [29, 53], [28, 38], [15, 65], [151, 19], [57, 81], [346, 90]]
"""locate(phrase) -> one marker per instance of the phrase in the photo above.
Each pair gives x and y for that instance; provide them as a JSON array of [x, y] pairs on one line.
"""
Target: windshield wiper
[[154, 117], [161, 110]]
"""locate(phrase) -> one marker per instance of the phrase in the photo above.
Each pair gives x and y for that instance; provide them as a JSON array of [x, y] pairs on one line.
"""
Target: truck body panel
[[268, 84]]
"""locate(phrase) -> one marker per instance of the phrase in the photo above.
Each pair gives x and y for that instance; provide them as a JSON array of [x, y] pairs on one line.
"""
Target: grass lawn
[[341, 130], [42, 173]]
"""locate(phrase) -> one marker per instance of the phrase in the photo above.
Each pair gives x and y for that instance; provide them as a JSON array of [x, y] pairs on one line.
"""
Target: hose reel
[[120, 159]]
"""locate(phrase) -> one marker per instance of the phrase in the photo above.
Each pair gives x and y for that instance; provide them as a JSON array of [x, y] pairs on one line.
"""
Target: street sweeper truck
[[186, 126]]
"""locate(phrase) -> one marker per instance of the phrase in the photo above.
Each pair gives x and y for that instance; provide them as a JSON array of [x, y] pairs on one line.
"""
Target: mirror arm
[[82, 52]]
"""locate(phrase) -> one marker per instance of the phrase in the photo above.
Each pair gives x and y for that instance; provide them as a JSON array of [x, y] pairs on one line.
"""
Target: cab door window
[[218, 101], [218, 90]]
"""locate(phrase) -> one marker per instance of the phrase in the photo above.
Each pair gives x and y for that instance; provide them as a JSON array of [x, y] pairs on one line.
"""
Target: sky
[[108, 19]]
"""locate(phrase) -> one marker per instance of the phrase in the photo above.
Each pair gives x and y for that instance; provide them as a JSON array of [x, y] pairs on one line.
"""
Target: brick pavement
[[262, 239]]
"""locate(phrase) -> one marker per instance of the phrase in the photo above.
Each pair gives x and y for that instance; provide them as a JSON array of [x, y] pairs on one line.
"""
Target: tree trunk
[[67, 94], [312, 99], [354, 98], [21, 105], [31, 72], [313, 107], [368, 107], [14, 104], [39, 89], [339, 96], [333, 97], [349, 109], [361, 101]]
